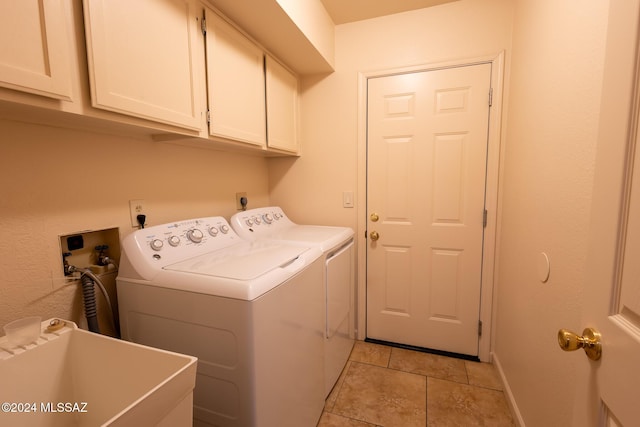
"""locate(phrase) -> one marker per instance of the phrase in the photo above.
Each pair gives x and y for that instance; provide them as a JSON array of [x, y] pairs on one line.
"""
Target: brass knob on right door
[[590, 341], [374, 235]]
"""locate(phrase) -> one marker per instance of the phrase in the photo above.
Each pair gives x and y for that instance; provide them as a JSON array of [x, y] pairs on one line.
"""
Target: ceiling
[[343, 11]]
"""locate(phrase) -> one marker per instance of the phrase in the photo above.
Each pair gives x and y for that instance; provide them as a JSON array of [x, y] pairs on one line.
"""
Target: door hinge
[[203, 26], [484, 219], [208, 117], [479, 328], [490, 97]]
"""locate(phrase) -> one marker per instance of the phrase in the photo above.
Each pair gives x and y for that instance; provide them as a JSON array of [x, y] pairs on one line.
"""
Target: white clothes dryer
[[250, 311], [270, 224]]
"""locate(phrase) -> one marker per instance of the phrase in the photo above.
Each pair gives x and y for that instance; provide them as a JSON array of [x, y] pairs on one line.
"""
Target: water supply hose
[[90, 306], [88, 279], [114, 313]]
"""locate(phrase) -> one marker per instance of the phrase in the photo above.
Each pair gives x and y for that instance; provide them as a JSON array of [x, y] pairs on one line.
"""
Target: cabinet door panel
[[34, 53], [282, 93], [144, 59], [235, 78]]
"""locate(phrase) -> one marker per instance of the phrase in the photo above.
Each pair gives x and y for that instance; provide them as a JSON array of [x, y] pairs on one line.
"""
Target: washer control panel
[[260, 222], [173, 242]]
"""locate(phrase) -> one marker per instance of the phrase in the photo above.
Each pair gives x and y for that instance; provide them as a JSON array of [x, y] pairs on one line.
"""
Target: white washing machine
[[250, 311], [270, 224]]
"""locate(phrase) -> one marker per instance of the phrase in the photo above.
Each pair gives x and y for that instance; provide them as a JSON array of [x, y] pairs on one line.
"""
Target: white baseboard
[[517, 417]]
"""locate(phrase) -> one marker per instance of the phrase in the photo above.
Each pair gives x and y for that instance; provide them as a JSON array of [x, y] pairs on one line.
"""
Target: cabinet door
[[235, 79], [282, 95], [34, 52], [144, 59]]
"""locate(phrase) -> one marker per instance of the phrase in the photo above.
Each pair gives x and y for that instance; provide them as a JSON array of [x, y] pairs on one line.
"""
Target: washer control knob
[[268, 218], [257, 220], [224, 228], [213, 231], [195, 235], [174, 241], [277, 216], [249, 222], [156, 244]]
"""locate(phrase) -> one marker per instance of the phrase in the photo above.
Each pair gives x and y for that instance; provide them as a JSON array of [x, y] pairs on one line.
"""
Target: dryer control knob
[[224, 229], [268, 218], [257, 220], [195, 235], [213, 231], [174, 241], [249, 222], [156, 244]]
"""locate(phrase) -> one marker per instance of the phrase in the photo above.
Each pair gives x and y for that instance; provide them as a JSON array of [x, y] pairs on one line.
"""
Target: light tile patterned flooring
[[388, 386]]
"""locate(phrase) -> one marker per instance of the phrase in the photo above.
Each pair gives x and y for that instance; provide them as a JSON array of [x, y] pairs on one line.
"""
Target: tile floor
[[387, 386]]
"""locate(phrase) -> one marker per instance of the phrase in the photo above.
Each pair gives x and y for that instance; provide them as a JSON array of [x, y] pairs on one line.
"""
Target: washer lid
[[241, 262]]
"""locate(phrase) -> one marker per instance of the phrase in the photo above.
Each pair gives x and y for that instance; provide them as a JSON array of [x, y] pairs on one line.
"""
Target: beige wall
[[310, 188], [56, 182], [553, 109]]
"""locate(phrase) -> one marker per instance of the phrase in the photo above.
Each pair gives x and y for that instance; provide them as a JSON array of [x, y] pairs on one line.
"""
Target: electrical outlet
[[136, 207], [238, 202]]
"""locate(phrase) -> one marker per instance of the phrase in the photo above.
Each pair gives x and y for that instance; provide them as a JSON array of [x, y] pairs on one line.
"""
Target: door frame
[[492, 201]]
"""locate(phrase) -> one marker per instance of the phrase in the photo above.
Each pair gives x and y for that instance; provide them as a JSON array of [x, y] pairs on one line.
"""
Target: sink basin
[[72, 377]]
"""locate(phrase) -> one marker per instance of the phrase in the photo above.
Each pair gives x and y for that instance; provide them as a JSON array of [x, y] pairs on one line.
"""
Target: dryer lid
[[240, 262], [325, 237]]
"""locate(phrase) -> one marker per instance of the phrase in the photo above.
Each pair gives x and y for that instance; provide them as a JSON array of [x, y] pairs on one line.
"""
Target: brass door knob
[[374, 217], [374, 235], [590, 341]]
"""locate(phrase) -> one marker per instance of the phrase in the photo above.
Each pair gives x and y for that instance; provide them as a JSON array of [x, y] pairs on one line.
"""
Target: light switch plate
[[347, 199]]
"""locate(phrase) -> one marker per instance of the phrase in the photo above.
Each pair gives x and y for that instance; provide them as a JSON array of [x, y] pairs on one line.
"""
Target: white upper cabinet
[[235, 80], [282, 96], [150, 69], [34, 52], [145, 59]]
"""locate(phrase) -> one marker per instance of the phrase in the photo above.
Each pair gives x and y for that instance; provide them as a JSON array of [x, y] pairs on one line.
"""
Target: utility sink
[[71, 377]]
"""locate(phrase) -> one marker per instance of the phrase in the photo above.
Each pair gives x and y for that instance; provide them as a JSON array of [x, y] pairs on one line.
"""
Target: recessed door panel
[[448, 179], [399, 106], [398, 165], [445, 287], [397, 276]]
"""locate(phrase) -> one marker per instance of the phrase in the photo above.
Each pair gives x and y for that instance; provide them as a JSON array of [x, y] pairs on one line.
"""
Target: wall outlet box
[[80, 249]]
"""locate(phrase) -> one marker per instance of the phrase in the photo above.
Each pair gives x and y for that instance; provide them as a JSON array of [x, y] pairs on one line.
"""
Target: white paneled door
[[612, 298], [607, 389], [426, 178]]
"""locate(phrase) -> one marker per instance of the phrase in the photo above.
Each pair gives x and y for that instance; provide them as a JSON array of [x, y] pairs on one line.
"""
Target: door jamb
[[492, 198]]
